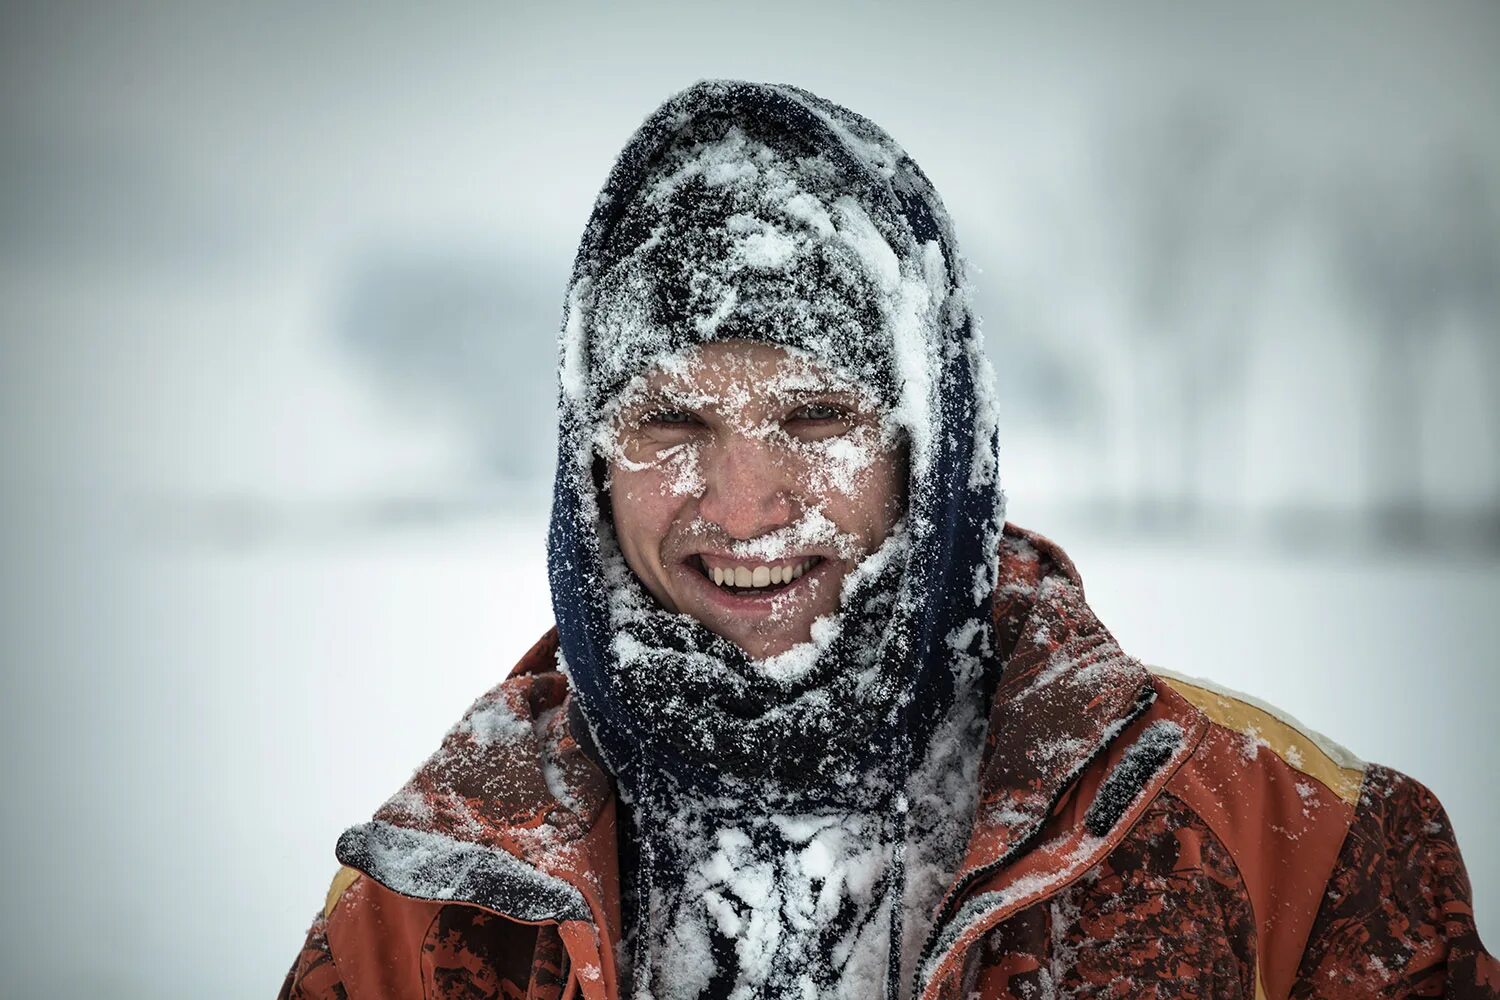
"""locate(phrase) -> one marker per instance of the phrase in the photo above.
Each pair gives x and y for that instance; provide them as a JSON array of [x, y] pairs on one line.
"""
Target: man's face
[[746, 483]]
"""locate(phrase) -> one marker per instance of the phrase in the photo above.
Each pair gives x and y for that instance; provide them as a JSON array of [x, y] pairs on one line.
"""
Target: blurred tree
[[1199, 211], [1470, 201], [1415, 258]]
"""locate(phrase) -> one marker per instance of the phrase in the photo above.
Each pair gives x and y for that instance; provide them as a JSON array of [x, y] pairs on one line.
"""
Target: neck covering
[[773, 808]]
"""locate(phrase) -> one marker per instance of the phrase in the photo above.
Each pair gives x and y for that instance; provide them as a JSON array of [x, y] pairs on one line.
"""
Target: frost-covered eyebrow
[[666, 399], [656, 399], [843, 395]]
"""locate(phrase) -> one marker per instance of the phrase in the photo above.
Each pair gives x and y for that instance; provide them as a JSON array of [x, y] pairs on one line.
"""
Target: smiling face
[[746, 482]]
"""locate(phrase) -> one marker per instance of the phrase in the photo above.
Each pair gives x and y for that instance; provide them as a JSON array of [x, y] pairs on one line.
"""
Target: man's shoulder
[[1258, 740]]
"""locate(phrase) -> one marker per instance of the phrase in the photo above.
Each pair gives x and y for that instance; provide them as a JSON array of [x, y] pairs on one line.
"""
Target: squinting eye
[[818, 412], [670, 418]]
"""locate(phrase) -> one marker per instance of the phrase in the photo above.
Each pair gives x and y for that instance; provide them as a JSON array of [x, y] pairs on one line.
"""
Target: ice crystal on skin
[[833, 464], [795, 663], [812, 528], [629, 601]]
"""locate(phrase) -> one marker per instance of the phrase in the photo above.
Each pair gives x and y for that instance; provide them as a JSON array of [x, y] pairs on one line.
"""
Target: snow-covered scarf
[[791, 824]]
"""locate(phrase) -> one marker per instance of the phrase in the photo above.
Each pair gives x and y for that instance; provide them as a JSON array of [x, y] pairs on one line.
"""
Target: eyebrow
[[667, 397], [675, 399]]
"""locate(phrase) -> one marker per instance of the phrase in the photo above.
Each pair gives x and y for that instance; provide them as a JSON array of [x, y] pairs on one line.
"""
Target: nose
[[747, 487]]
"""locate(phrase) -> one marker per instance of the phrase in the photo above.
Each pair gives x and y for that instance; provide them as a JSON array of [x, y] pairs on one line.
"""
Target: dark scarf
[[700, 740]]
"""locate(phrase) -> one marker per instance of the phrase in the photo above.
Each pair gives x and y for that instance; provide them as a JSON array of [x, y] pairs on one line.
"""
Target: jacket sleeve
[[313, 975], [1397, 919]]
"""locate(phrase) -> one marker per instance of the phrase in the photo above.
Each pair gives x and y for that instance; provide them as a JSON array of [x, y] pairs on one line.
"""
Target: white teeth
[[759, 576]]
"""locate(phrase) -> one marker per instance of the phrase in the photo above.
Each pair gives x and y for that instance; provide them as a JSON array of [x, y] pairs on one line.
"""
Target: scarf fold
[[702, 714]]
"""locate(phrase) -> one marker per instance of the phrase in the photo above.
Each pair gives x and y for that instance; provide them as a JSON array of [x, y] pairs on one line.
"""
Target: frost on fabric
[[551, 720], [943, 794], [494, 721], [802, 901], [428, 865], [1333, 750], [1252, 741], [779, 255], [1140, 762]]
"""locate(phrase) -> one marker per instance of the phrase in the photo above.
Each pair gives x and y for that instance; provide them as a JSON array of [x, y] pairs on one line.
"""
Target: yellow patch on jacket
[[342, 880], [1301, 747]]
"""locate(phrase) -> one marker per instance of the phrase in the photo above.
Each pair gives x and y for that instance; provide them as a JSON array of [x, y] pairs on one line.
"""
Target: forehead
[[743, 369]]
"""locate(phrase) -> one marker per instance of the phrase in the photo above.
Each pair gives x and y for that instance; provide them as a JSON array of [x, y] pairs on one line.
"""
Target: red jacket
[[1139, 834]]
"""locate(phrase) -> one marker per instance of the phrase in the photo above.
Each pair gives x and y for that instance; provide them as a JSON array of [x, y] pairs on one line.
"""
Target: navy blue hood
[[880, 294]]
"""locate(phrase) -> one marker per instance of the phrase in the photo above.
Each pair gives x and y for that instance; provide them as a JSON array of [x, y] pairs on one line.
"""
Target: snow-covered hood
[[760, 211]]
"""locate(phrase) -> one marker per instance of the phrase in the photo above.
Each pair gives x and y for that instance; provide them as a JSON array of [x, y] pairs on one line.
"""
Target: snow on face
[[731, 239], [747, 481]]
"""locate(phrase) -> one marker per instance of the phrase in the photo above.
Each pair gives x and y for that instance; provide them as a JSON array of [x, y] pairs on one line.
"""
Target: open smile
[[745, 580]]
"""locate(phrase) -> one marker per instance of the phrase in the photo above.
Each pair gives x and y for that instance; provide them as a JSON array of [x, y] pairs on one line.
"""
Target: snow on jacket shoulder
[[1139, 834]]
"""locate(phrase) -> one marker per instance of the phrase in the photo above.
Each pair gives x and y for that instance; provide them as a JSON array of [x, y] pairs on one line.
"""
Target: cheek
[[645, 508], [856, 479], [881, 498]]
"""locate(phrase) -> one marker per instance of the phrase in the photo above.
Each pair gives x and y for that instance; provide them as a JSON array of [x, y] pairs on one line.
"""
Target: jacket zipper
[[950, 904]]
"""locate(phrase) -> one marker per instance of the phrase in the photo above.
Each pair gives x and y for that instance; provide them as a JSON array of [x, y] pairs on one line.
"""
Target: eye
[[818, 420], [668, 418], [819, 412]]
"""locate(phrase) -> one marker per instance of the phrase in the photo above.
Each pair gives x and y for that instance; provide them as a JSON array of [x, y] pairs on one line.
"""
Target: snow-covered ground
[[207, 743]]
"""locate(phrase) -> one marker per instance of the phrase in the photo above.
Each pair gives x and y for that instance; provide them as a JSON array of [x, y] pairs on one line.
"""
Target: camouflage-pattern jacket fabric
[[1139, 834]]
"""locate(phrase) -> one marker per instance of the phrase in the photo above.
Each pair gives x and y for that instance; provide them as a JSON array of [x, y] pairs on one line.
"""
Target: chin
[[766, 650], [759, 646]]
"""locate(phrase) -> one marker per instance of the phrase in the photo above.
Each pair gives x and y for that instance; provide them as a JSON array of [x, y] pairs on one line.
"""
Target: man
[[815, 721]]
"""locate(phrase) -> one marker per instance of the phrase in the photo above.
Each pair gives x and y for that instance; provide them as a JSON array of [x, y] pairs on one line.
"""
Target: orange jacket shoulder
[[1281, 798]]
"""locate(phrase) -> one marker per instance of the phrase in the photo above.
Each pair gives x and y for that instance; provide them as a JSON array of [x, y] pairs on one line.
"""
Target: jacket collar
[[1066, 690], [510, 813]]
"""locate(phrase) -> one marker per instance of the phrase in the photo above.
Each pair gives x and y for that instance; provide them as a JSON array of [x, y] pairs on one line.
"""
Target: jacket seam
[[1328, 879], [422, 949], [1256, 979], [1220, 835]]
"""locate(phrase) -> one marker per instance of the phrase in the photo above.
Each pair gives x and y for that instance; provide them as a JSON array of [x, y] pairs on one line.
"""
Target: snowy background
[[278, 290]]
